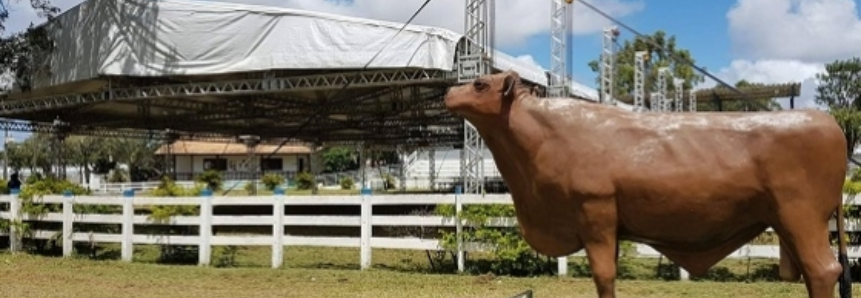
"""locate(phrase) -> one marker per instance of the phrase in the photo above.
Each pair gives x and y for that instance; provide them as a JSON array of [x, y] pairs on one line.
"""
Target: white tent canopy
[[187, 37]]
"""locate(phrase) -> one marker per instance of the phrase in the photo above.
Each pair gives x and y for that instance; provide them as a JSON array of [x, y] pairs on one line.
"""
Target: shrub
[[272, 180], [511, 255], [347, 183], [118, 176], [304, 181], [163, 213], [212, 179], [251, 187], [388, 182]]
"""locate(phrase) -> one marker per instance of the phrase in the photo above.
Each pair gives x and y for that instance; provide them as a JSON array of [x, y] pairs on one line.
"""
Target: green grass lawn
[[330, 272]]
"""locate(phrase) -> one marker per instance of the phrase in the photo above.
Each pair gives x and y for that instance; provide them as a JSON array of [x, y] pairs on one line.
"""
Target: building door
[[301, 165]]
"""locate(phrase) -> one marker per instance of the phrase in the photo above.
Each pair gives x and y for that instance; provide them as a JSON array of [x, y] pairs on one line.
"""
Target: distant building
[[194, 157]]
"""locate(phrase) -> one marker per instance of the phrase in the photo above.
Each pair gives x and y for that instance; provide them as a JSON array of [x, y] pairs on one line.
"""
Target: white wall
[[194, 164], [447, 165]]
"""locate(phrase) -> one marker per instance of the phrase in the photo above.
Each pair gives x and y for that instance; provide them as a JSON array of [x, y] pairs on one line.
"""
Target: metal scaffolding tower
[[560, 24], [678, 86], [640, 81], [608, 63], [475, 59], [663, 103], [692, 105]]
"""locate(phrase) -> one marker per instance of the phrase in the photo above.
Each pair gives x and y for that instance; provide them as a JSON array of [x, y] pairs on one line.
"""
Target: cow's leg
[[599, 238], [788, 263], [806, 235]]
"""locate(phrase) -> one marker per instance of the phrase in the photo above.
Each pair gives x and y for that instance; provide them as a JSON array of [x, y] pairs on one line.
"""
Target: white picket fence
[[278, 240]]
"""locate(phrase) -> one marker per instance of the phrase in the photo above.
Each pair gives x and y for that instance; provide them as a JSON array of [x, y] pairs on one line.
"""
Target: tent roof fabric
[[161, 38]]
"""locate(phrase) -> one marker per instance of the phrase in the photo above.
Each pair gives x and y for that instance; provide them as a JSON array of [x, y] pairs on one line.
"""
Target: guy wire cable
[[323, 108], [688, 62], [673, 55]]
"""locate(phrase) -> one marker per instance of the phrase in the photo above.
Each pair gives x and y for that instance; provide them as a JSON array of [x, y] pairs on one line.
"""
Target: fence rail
[[206, 220]]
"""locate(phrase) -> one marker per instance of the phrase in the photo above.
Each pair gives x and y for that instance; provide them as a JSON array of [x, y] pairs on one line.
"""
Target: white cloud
[[528, 59], [516, 20], [783, 41], [806, 30], [768, 71]]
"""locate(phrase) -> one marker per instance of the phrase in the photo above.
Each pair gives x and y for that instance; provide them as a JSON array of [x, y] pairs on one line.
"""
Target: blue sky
[[699, 26]]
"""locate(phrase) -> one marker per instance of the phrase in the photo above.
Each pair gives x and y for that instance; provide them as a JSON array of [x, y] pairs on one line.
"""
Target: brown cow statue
[[694, 186]]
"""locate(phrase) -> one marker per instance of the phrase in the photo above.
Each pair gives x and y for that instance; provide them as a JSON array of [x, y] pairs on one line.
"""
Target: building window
[[272, 164], [218, 164]]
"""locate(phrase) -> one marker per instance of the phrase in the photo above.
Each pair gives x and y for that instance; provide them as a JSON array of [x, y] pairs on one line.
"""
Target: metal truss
[[559, 30], [692, 105], [475, 59], [47, 128], [678, 93], [640, 81], [608, 63], [378, 78], [663, 100]]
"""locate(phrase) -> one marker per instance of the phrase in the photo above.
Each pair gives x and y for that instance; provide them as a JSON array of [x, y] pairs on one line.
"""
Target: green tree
[[840, 84], [339, 159], [840, 91], [85, 152], [657, 58], [22, 52]]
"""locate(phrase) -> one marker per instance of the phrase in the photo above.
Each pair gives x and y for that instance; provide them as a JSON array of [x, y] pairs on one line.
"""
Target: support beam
[[59, 133], [692, 106], [251, 167], [560, 23], [663, 81], [640, 81], [432, 168], [475, 59], [378, 78], [608, 65], [678, 92], [170, 137]]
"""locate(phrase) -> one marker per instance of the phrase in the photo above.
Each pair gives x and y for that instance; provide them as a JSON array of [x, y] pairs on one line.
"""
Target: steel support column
[[251, 142], [475, 59], [59, 133], [678, 85], [608, 64], [692, 98], [170, 137], [663, 80], [640, 81], [432, 168], [560, 23]]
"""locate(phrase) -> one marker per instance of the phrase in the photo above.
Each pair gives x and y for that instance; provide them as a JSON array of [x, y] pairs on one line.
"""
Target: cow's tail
[[845, 280]]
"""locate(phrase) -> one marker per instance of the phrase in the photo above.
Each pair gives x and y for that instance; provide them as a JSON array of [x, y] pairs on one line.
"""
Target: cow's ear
[[509, 84]]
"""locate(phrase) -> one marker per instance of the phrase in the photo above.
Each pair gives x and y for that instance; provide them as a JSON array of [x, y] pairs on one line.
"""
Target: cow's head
[[487, 98]]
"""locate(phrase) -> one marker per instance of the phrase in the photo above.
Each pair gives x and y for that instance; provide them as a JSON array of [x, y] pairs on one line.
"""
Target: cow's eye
[[480, 85]]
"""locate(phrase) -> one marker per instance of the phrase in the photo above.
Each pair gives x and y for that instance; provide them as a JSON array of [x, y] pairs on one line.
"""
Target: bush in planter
[[304, 181], [347, 183], [271, 181], [212, 179]]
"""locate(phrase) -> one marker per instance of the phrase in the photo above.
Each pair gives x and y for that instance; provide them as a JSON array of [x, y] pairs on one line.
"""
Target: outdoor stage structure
[[180, 69]]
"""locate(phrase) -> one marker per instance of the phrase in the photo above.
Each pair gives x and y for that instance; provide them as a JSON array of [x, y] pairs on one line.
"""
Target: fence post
[[205, 246], [458, 208], [68, 223], [366, 226], [15, 210], [278, 228], [127, 247]]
